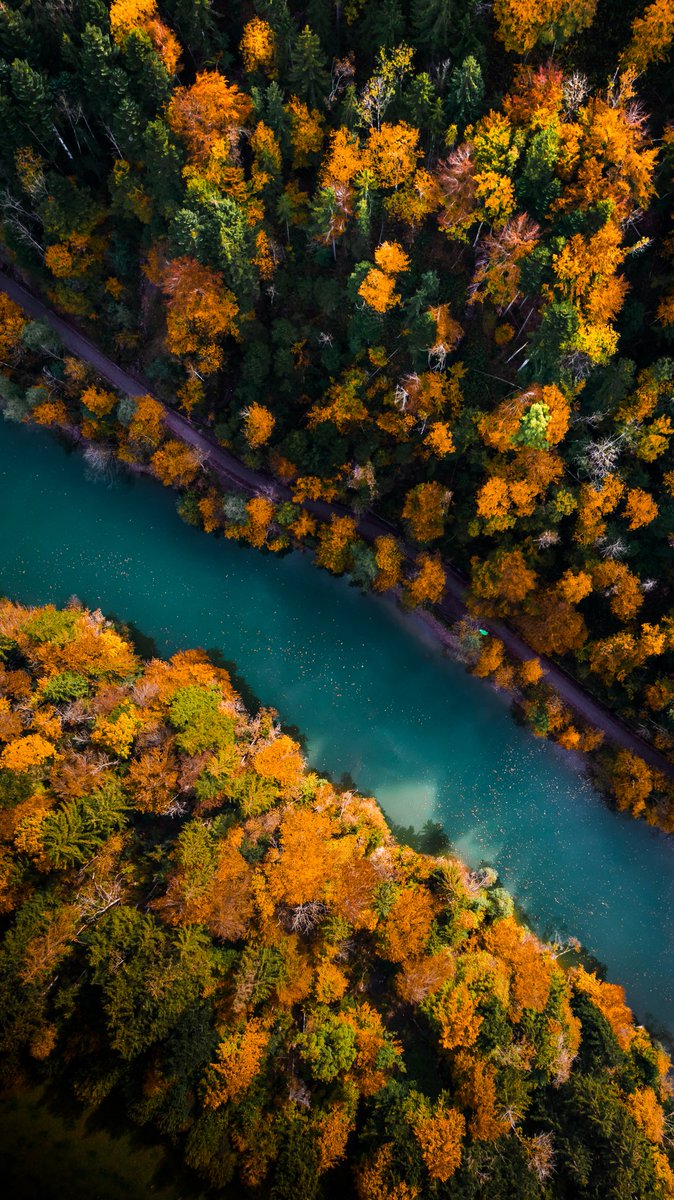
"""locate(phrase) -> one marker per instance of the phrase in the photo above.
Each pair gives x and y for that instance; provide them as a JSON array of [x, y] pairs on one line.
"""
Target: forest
[[410, 262], [242, 954], [415, 257]]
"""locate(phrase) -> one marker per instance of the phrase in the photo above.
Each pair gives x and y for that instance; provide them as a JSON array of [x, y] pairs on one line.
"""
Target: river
[[375, 701]]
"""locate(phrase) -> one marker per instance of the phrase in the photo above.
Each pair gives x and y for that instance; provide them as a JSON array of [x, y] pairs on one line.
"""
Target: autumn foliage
[[271, 926]]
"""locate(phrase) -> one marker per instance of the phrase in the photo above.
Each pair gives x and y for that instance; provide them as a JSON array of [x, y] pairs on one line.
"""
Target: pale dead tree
[[74, 713], [591, 419], [648, 585], [437, 357], [574, 90], [299, 1092], [345, 950], [497, 258], [401, 395], [579, 365], [304, 918], [486, 877], [614, 549], [345, 803], [74, 112], [456, 177], [177, 808], [63, 144], [559, 946], [564, 1060], [269, 491], [325, 339], [144, 691], [440, 73], [363, 477], [476, 881], [18, 218], [101, 466], [541, 1155], [546, 539], [601, 458], [374, 101], [98, 897], [343, 71], [382, 861], [511, 1115], [153, 737], [113, 139]]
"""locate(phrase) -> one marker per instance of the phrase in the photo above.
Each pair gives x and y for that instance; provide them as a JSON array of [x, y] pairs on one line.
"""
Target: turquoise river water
[[375, 701]]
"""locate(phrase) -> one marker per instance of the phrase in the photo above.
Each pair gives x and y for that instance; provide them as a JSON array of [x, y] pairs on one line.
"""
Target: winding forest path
[[233, 473]]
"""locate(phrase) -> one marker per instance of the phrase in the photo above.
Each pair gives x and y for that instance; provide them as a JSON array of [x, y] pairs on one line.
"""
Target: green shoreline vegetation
[[249, 962]]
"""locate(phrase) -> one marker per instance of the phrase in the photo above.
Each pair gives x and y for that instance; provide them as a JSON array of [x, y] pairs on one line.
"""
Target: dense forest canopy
[[416, 256], [243, 955]]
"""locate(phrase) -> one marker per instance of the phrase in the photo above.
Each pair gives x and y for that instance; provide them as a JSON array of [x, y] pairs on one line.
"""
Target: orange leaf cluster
[[428, 584], [424, 510], [200, 310], [209, 112], [334, 544], [175, 464], [280, 760], [389, 560], [258, 46], [239, 1061]]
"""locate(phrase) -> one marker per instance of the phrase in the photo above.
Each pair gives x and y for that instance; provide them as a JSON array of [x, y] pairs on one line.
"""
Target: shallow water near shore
[[376, 701]]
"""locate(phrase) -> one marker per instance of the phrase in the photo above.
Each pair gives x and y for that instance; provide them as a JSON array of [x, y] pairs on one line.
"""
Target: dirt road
[[234, 474]]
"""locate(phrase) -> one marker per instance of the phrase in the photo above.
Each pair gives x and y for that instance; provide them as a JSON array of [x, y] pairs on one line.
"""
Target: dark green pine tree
[[466, 91], [308, 76], [432, 22], [32, 107]]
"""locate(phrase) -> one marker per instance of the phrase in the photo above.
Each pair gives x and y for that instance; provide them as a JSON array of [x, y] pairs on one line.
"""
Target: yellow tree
[[427, 584], [12, 321], [334, 544], [258, 425], [652, 35], [127, 16], [523, 23], [306, 131], [424, 510], [210, 111], [258, 47], [175, 464], [200, 310], [439, 1131], [389, 560], [640, 508]]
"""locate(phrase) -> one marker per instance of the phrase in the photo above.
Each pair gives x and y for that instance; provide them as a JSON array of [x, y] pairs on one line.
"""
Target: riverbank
[[380, 709], [214, 936], [232, 473], [442, 634]]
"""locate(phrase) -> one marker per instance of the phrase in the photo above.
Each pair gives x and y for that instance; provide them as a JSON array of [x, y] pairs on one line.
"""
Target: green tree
[[308, 76], [465, 93]]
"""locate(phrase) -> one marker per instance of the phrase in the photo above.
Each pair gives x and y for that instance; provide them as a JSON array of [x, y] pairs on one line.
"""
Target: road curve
[[233, 473]]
